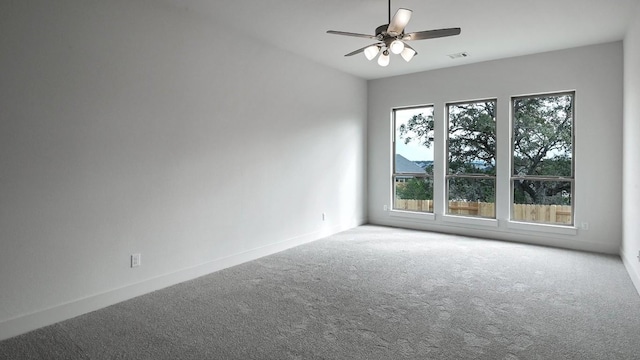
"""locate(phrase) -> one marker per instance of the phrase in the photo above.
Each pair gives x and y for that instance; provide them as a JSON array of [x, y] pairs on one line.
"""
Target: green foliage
[[542, 144], [415, 189], [544, 192], [542, 135], [472, 147], [472, 189], [472, 138], [418, 127]]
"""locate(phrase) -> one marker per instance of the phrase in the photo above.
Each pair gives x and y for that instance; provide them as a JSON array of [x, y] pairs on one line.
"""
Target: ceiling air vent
[[459, 55]]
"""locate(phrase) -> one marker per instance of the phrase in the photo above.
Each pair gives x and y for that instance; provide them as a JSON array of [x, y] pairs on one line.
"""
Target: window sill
[[544, 228], [412, 215], [468, 220]]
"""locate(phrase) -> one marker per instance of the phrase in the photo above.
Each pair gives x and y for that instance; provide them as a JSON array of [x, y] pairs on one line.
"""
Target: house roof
[[405, 166]]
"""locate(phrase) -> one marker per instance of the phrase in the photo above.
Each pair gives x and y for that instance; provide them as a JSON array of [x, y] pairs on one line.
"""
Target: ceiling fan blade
[[399, 22], [432, 34], [362, 49], [350, 34]]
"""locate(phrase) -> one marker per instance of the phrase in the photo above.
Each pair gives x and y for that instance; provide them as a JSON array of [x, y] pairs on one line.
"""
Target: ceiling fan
[[392, 38]]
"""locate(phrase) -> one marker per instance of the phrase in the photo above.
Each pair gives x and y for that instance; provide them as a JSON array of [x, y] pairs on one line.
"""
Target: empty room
[[200, 179]]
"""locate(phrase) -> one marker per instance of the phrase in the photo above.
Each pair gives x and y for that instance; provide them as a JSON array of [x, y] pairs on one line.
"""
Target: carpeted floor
[[371, 293]]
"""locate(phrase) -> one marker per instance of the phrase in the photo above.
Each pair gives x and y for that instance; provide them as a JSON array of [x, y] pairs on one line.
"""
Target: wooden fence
[[555, 214]]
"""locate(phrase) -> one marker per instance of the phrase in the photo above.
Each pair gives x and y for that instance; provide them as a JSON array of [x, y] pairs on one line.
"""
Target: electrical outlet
[[136, 260], [384, 208], [324, 216], [584, 226]]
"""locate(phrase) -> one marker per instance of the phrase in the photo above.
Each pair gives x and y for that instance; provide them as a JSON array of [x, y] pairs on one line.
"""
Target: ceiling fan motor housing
[[381, 30], [382, 35]]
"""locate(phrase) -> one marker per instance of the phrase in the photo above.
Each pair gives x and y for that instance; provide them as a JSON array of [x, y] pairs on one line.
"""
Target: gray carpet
[[371, 293]]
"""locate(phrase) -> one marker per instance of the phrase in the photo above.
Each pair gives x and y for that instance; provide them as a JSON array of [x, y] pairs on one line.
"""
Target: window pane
[[413, 140], [413, 193], [542, 135], [546, 201], [472, 196], [472, 138]]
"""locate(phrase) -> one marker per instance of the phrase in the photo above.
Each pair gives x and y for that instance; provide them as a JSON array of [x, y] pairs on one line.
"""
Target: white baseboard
[[635, 277], [25, 323]]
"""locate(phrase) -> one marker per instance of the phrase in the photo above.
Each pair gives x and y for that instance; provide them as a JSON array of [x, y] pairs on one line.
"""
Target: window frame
[[448, 175], [394, 174], [513, 177]]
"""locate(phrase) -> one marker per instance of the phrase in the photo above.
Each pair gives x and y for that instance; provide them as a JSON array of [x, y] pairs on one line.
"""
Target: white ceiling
[[491, 29]]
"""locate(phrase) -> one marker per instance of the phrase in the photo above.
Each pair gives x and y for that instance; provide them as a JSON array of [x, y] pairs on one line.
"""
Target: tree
[[472, 151], [472, 138], [418, 127], [415, 188], [542, 136], [472, 145], [420, 188], [542, 145]]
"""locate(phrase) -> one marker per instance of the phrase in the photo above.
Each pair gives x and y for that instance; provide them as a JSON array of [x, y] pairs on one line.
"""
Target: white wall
[[594, 72], [631, 188], [133, 127]]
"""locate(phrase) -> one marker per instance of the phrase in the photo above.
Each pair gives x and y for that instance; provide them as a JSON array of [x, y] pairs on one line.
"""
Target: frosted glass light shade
[[383, 60], [407, 54], [371, 51], [396, 46]]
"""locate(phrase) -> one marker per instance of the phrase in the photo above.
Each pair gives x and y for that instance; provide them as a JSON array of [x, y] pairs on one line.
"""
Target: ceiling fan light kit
[[371, 51], [392, 38], [383, 60], [396, 46], [408, 54]]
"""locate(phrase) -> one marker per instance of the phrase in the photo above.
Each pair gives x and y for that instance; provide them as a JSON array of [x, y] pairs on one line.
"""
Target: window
[[542, 176], [412, 177], [471, 158]]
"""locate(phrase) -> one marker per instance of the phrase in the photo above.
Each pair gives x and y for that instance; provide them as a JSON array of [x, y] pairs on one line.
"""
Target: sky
[[413, 151]]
